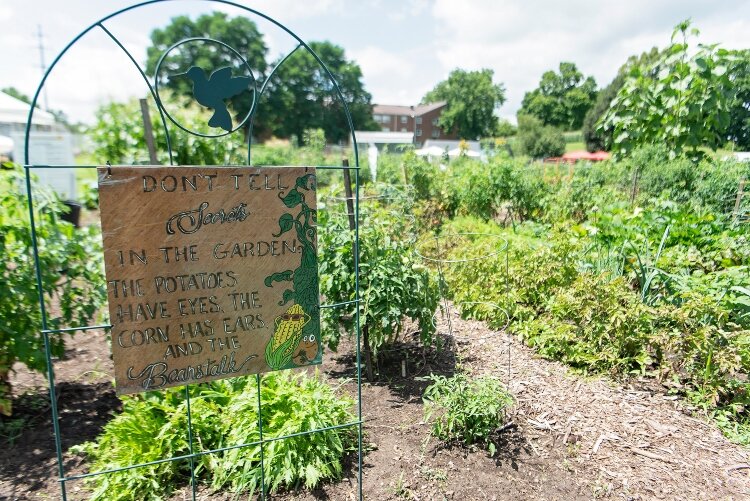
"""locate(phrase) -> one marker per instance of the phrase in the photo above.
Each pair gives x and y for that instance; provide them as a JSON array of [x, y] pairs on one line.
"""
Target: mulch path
[[571, 438]]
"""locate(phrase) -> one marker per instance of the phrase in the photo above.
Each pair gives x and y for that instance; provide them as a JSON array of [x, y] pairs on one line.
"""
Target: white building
[[49, 144]]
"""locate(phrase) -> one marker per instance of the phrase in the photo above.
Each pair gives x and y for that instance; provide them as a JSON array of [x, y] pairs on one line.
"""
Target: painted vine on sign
[[296, 337]]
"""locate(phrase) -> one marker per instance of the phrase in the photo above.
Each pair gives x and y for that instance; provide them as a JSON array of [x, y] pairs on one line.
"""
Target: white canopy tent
[[6, 145], [430, 151], [383, 137], [49, 144], [456, 152], [15, 112]]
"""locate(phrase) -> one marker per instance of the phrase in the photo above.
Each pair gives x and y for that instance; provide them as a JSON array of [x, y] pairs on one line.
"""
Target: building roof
[[15, 111], [382, 137], [585, 155], [392, 109]]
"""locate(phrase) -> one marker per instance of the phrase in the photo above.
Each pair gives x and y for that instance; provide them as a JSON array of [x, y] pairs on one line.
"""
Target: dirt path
[[574, 438], [628, 442]]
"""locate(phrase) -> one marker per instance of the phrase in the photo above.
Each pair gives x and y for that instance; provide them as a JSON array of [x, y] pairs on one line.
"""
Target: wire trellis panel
[[45, 330]]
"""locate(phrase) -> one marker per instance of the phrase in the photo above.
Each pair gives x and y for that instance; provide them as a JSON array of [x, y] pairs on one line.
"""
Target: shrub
[[475, 188], [423, 176], [484, 189], [119, 137], [466, 409], [717, 182], [153, 426], [537, 140], [595, 324]]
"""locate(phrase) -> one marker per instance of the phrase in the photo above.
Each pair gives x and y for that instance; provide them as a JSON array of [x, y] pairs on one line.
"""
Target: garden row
[[631, 267]]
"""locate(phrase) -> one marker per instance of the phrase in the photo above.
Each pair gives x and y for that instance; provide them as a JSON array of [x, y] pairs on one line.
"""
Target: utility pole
[[42, 64]]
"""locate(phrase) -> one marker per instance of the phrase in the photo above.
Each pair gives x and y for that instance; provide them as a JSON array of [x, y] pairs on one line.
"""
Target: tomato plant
[[73, 282]]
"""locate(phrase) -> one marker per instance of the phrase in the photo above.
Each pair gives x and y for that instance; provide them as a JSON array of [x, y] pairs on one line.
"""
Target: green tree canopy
[[739, 110], [562, 99], [240, 33], [538, 140], [682, 101], [13, 92], [301, 95], [472, 99], [601, 138]]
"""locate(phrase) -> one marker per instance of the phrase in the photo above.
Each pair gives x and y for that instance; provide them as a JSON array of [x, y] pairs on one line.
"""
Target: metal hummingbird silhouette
[[212, 91]]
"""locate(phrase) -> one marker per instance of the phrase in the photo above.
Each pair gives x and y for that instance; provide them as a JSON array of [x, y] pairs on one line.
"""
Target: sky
[[404, 47]]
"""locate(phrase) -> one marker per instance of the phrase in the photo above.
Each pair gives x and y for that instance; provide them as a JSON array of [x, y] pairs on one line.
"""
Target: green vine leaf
[[302, 182], [286, 222], [286, 297], [282, 276], [293, 198]]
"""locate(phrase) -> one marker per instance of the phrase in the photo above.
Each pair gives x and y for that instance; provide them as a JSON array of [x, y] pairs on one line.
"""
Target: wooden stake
[[738, 200], [349, 195], [148, 132]]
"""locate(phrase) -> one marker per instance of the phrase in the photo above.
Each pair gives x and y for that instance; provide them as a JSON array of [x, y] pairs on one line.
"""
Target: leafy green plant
[[596, 325], [689, 332], [422, 175], [118, 136], [89, 195], [72, 281], [681, 101], [647, 271], [466, 409], [393, 283], [538, 140], [483, 190], [153, 426]]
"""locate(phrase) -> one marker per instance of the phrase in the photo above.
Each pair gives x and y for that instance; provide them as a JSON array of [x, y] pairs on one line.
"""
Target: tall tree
[[240, 33], [681, 102], [472, 100], [562, 99], [739, 109], [13, 92], [601, 138], [301, 95]]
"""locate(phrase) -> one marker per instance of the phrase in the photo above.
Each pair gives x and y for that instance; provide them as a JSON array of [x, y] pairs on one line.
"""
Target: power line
[[42, 64]]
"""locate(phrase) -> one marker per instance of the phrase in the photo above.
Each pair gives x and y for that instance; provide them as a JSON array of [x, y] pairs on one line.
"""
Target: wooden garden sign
[[211, 272]]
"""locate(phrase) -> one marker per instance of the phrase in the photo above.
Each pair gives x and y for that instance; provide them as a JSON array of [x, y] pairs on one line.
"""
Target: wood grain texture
[[187, 252]]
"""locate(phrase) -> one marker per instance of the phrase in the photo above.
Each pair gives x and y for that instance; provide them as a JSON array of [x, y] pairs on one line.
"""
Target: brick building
[[421, 121]]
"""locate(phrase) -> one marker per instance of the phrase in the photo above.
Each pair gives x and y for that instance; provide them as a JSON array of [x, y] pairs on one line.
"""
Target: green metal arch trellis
[[46, 332]]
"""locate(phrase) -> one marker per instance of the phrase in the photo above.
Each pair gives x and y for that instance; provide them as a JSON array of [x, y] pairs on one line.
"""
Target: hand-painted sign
[[211, 272]]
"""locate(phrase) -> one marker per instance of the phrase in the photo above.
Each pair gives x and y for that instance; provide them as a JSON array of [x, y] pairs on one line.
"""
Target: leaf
[[286, 297], [292, 199], [302, 181], [286, 222], [282, 276]]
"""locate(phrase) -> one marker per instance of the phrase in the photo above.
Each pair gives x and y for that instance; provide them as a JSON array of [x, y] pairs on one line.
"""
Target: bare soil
[[567, 437]]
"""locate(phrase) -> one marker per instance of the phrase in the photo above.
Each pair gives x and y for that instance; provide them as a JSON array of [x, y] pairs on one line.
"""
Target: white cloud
[[283, 10], [395, 77], [520, 41], [403, 10], [5, 13], [403, 46]]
